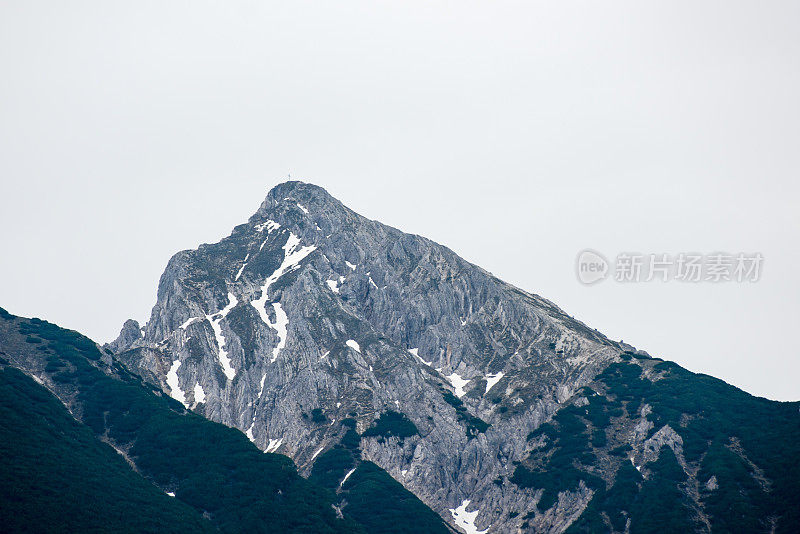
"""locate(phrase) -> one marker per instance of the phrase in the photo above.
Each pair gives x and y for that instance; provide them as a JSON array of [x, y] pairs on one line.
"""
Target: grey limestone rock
[[309, 314]]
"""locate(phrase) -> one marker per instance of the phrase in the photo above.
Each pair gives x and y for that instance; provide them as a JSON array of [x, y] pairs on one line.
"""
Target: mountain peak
[[298, 194], [335, 339], [311, 315], [296, 187], [130, 333]]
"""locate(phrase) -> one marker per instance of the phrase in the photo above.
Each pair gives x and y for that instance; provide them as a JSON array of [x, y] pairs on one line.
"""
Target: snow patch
[[216, 320], [249, 432], [458, 383], [352, 267], [269, 225], [291, 260], [638, 467], [466, 520], [492, 379], [246, 257], [403, 472], [346, 477], [274, 445], [172, 381], [324, 355], [293, 254], [171, 493], [353, 345], [199, 394], [317, 453], [189, 321], [280, 326], [333, 285], [415, 352], [261, 386], [302, 208]]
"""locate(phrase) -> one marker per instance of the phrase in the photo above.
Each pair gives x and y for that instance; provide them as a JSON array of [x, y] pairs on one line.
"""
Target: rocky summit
[[314, 330], [310, 314]]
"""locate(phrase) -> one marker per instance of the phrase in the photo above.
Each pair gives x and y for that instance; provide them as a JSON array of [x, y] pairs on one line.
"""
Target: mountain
[[411, 392], [311, 326], [310, 314], [88, 446]]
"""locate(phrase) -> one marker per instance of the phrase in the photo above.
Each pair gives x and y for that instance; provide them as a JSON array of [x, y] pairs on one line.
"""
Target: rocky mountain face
[[309, 314], [314, 330], [87, 446]]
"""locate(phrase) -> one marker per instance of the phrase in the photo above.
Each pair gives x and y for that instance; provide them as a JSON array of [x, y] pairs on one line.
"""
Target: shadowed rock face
[[309, 314]]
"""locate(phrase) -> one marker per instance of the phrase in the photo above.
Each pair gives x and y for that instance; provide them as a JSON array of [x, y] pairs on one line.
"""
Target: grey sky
[[515, 133]]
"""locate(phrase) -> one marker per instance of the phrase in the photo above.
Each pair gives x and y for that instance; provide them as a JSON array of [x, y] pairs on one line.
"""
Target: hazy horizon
[[515, 134]]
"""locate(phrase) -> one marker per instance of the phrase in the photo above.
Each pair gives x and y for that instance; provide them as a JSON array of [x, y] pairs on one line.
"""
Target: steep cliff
[[309, 314], [332, 338]]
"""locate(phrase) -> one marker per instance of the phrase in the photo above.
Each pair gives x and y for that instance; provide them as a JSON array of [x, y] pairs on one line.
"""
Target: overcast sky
[[517, 134]]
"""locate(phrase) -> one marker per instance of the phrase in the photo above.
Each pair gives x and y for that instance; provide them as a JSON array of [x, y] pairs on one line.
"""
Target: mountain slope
[[647, 432], [366, 488], [315, 330], [56, 477], [213, 469], [309, 306]]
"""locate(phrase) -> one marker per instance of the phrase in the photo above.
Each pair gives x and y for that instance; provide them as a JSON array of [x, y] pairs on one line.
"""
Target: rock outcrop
[[310, 314]]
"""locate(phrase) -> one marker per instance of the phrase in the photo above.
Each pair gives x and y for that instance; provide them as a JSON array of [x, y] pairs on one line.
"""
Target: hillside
[[218, 478], [55, 476], [311, 326], [317, 371]]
